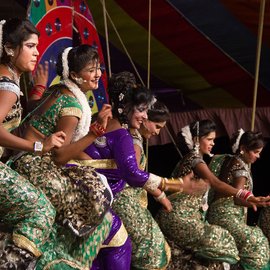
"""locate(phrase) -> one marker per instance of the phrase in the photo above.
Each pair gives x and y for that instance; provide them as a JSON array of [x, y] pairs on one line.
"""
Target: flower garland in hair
[[236, 144], [187, 136], [2, 22], [152, 102], [84, 123]]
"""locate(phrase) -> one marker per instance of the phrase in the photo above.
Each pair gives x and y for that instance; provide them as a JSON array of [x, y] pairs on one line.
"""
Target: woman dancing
[[80, 196], [230, 212], [23, 208]]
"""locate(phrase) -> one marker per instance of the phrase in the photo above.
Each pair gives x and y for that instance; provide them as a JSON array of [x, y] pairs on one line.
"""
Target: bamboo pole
[[148, 71], [107, 38], [257, 67]]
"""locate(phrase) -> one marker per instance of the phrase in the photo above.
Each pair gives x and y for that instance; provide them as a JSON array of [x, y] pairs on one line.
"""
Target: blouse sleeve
[[196, 161], [124, 155], [8, 85], [71, 107]]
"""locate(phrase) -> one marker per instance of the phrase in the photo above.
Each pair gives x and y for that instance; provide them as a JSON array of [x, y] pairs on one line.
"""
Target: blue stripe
[[216, 23]]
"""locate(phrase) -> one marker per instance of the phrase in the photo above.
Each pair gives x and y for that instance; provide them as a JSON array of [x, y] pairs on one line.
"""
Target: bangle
[[35, 92], [244, 194], [40, 86], [163, 184], [174, 184], [97, 129], [161, 196]]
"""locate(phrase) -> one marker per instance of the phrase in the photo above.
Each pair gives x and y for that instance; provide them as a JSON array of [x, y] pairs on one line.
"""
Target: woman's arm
[[204, 172], [8, 140], [72, 150], [239, 183]]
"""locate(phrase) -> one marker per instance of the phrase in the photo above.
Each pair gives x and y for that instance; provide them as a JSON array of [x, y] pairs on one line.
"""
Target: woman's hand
[[166, 203], [104, 115], [42, 74], [56, 140], [194, 186], [259, 201]]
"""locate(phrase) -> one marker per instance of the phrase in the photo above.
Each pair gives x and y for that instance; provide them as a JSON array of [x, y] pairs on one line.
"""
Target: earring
[[9, 52], [79, 80], [241, 152], [197, 148]]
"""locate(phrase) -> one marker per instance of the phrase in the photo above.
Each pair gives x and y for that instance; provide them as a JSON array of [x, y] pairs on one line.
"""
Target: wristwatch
[[38, 147]]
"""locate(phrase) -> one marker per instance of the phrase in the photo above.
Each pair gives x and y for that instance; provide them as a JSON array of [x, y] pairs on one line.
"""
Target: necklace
[[15, 76]]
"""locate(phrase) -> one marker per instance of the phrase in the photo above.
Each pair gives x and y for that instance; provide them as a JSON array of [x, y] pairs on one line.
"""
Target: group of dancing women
[[73, 194]]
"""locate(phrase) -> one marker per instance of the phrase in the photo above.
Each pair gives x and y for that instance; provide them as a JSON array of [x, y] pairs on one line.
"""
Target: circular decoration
[[85, 33], [57, 24], [48, 29], [50, 2], [82, 7], [52, 62]]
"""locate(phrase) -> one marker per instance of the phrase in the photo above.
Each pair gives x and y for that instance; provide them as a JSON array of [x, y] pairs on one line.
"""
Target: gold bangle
[[162, 184], [174, 185]]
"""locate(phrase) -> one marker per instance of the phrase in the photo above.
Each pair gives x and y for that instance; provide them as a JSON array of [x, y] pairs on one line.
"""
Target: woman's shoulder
[[6, 84]]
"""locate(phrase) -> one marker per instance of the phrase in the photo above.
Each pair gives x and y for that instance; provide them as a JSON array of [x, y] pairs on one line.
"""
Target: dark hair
[[158, 112], [205, 127], [78, 58], [251, 140], [15, 32], [124, 94]]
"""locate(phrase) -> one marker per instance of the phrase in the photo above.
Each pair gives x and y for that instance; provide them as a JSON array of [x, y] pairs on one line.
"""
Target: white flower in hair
[[85, 121], [236, 144], [121, 96], [187, 136], [2, 22], [65, 72], [153, 101]]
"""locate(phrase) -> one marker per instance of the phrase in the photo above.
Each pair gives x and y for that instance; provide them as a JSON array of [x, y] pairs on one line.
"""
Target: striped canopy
[[203, 52]]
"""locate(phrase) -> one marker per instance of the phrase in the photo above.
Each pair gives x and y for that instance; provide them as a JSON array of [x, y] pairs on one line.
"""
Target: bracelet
[[35, 92], [160, 197], [244, 194], [97, 129], [40, 86], [163, 183], [174, 185]]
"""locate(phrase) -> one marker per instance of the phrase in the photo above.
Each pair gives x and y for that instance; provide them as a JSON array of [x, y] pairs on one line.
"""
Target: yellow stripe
[[119, 238], [95, 163], [165, 65]]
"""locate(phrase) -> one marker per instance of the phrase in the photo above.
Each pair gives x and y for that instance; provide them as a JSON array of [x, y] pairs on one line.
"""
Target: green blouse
[[65, 105]]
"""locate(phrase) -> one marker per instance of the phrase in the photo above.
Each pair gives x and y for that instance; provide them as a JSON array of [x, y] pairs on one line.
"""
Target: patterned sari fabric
[[131, 205], [79, 195], [149, 248], [252, 245], [186, 228], [264, 221], [23, 208]]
